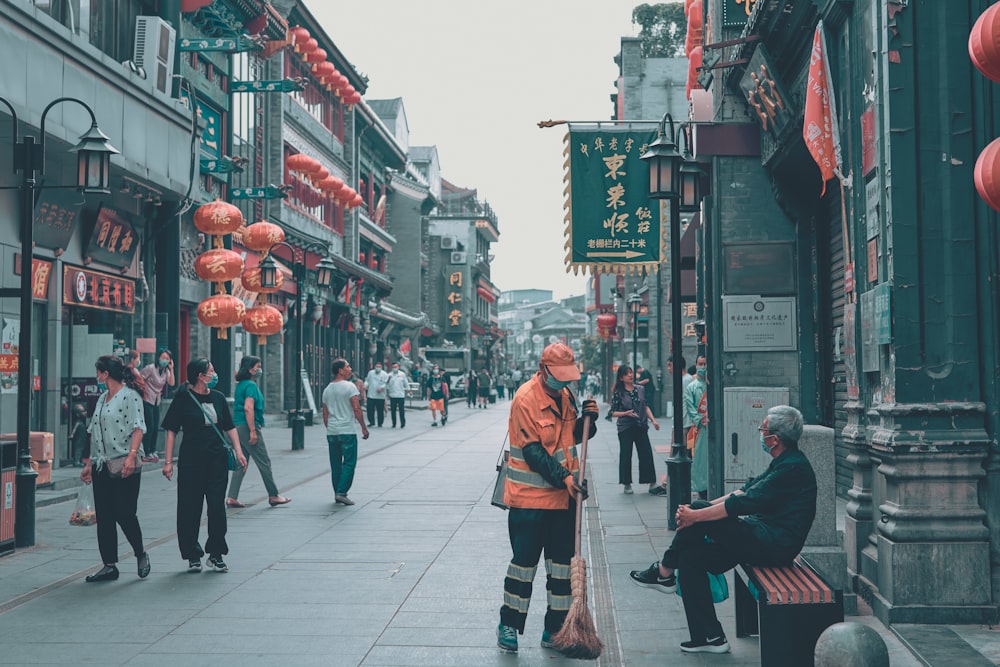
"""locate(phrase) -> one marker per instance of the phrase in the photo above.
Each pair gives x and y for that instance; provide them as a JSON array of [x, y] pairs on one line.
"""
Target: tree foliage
[[591, 353], [663, 29]]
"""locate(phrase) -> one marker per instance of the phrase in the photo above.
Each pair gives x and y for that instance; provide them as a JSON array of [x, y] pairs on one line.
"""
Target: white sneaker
[[628, 489]]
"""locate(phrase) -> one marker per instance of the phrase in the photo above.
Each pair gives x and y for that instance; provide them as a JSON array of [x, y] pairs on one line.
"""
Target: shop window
[[113, 25]]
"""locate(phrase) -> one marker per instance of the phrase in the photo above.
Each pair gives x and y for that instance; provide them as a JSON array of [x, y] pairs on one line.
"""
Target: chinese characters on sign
[[611, 221], [41, 271], [765, 94], [454, 299], [92, 289], [55, 216], [113, 240], [759, 324]]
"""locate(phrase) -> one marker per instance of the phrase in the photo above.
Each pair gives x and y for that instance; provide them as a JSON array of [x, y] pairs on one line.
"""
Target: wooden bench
[[788, 607]]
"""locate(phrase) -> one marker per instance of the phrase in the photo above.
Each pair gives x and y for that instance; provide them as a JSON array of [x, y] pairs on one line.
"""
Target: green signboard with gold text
[[612, 220]]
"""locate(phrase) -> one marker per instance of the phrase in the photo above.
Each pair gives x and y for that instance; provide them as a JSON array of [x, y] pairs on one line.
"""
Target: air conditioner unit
[[458, 257], [154, 50], [448, 242]]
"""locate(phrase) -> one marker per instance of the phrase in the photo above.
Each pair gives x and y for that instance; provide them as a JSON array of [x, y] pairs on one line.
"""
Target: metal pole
[[635, 338], [679, 463], [299, 420], [24, 511]]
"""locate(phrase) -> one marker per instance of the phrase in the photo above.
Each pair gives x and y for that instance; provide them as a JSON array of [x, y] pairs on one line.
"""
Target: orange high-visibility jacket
[[537, 417]]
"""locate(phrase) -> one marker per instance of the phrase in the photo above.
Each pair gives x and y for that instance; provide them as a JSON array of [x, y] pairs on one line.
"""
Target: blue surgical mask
[[701, 371], [259, 373], [164, 363], [214, 381], [763, 444], [556, 385], [102, 386]]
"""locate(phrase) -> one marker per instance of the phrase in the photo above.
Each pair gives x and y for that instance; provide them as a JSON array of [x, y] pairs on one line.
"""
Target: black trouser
[[151, 413], [732, 542], [202, 483], [532, 531], [115, 501], [647, 471], [398, 404], [376, 410]]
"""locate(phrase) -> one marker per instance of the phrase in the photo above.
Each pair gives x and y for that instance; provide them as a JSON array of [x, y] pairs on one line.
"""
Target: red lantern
[[694, 62], [606, 325], [251, 281], [297, 35], [695, 16], [353, 98], [189, 6], [221, 312], [984, 43], [324, 70], [347, 91], [357, 201], [331, 184], [341, 82], [260, 236], [307, 46], [218, 218], [987, 174], [263, 321], [319, 175], [315, 57], [218, 265]]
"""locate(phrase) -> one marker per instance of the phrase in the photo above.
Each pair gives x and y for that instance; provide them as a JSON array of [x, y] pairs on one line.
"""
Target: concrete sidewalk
[[411, 575]]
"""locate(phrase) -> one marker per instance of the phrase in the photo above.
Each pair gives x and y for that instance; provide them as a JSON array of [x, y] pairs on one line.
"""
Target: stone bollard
[[850, 645]]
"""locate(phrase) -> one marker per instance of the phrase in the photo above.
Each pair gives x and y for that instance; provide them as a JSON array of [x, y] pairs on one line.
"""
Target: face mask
[[763, 444], [701, 371], [554, 384], [214, 381], [259, 373], [102, 386], [164, 363]]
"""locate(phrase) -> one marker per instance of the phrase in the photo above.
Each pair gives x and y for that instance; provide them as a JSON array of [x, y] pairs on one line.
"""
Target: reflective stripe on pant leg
[[516, 595], [558, 585]]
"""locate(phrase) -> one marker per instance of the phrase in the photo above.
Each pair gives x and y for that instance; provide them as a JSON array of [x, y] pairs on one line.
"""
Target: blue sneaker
[[547, 640], [507, 638]]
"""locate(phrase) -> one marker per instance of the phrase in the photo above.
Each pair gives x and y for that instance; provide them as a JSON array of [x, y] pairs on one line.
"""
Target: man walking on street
[[436, 392], [542, 488], [341, 409], [397, 387], [375, 384], [764, 523]]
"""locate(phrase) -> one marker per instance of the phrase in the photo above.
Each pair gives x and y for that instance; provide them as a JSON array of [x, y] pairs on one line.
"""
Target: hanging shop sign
[[92, 289], [735, 12], [268, 192], [765, 94], [212, 119], [454, 299], [113, 240], [41, 271], [55, 215], [226, 45], [611, 222], [278, 86], [756, 324]]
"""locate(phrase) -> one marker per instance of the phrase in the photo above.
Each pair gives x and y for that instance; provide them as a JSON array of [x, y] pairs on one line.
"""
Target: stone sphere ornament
[[850, 645]]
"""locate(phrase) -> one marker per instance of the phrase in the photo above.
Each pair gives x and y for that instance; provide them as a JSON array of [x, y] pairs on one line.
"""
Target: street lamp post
[[94, 173], [634, 307], [324, 278], [674, 178]]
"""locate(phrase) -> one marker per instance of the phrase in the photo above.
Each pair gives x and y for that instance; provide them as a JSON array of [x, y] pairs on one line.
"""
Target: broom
[[578, 637]]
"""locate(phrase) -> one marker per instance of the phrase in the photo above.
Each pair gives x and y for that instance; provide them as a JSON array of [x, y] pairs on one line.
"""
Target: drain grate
[[600, 587]]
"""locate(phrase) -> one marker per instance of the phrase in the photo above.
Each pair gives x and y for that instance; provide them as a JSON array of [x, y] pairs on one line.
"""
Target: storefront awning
[[396, 315]]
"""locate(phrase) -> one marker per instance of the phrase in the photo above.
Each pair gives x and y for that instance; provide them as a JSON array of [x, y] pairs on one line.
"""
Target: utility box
[[745, 409], [8, 491]]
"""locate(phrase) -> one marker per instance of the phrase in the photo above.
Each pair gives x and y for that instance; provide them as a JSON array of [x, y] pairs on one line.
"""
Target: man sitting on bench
[[764, 523]]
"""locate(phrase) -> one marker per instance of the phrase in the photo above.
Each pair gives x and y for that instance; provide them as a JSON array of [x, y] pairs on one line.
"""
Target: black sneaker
[[657, 491], [713, 645], [650, 578], [194, 565], [217, 564]]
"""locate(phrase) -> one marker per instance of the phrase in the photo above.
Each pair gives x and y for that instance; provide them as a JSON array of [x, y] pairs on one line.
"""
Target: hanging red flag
[[404, 347], [820, 131]]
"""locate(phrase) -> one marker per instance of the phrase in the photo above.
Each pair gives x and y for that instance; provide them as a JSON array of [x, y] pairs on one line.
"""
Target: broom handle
[[583, 464]]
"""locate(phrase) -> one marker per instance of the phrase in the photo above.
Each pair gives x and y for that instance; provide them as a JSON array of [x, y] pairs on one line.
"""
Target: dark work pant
[[640, 437], [115, 501], [398, 404], [202, 483], [151, 413], [343, 452], [732, 542], [531, 532], [376, 411]]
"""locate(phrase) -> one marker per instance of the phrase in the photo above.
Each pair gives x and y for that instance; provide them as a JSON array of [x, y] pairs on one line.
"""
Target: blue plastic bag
[[717, 582]]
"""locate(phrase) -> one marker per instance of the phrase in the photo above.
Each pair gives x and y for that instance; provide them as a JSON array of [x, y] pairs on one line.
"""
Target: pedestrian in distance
[[628, 406], [542, 488], [471, 388], [203, 415], [341, 409], [484, 382], [436, 392], [78, 435], [157, 376], [375, 386], [248, 415], [109, 462], [696, 413], [397, 387], [764, 523]]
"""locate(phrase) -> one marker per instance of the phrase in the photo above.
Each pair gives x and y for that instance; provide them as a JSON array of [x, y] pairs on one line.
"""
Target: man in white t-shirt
[[397, 387], [375, 384], [341, 408]]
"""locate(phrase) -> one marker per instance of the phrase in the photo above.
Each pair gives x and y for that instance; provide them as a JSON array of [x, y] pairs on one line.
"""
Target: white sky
[[475, 77]]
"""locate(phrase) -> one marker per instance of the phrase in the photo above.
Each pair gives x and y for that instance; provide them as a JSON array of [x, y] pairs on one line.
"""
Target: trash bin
[[307, 413], [8, 487]]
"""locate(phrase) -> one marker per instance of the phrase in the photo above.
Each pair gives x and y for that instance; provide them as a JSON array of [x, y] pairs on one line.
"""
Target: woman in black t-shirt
[[204, 416]]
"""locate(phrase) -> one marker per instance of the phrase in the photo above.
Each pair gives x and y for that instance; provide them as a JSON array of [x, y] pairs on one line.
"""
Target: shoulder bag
[[114, 465], [232, 463], [500, 483]]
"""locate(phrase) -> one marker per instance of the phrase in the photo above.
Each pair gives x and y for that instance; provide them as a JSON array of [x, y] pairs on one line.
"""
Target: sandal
[[232, 502]]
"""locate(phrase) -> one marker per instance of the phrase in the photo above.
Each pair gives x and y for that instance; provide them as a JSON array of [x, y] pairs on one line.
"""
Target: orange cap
[[558, 359]]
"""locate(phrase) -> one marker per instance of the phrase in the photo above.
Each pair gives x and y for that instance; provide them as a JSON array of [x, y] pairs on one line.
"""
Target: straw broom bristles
[[578, 636]]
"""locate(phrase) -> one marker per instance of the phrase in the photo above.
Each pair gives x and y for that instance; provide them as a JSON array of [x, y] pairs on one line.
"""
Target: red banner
[[820, 131]]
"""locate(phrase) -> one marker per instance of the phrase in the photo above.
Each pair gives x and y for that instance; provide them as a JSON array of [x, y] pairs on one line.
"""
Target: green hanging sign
[[279, 86], [226, 45], [611, 219], [736, 12], [269, 192]]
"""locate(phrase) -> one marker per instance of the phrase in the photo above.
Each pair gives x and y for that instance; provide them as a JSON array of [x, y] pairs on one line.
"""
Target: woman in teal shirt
[[248, 415]]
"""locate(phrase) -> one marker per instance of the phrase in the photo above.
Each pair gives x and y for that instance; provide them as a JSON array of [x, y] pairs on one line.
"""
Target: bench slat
[[791, 584]]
